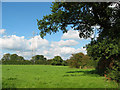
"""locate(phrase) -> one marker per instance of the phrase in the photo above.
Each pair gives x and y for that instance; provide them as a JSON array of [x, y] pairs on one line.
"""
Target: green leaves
[[57, 60], [114, 73], [79, 59], [104, 48], [38, 57], [65, 14]]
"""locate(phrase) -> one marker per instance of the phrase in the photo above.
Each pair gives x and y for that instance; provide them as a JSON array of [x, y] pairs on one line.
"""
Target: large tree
[[82, 16]]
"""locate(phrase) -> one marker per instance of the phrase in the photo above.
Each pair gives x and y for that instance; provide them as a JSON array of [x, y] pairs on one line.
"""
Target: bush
[[114, 73], [79, 60]]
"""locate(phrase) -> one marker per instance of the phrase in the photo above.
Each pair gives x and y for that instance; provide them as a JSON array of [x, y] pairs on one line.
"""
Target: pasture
[[47, 76]]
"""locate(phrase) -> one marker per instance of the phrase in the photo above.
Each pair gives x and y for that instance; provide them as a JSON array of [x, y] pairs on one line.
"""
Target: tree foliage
[[57, 60], [6, 57], [79, 60], [39, 59], [14, 59], [106, 51], [81, 16]]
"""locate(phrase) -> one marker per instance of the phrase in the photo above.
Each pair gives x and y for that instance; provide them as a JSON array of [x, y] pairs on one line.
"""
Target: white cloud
[[2, 31], [66, 43], [71, 34], [22, 46], [38, 46], [25, 54], [63, 49], [50, 52], [13, 42], [16, 43], [64, 52], [37, 42]]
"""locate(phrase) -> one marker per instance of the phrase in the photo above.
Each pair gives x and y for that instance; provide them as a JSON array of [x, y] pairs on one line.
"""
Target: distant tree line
[[14, 59], [78, 60]]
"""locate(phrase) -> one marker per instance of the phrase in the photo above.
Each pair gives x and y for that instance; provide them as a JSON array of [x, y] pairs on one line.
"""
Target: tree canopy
[[81, 16], [79, 60], [57, 60], [38, 57], [9, 57]]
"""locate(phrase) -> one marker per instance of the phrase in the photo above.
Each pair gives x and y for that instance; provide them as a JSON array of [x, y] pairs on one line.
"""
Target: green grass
[[47, 76]]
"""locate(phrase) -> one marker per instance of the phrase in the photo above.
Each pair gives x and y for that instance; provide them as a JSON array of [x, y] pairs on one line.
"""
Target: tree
[[76, 60], [39, 59], [6, 57], [57, 60], [79, 60], [12, 59], [81, 17]]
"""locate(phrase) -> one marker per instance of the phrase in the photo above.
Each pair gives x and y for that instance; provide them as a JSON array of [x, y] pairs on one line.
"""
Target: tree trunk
[[80, 67]]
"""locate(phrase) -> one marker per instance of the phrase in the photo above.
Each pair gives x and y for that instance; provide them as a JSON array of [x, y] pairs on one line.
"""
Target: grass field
[[46, 76]]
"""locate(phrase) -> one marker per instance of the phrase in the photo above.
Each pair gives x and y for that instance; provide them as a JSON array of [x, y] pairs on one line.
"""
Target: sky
[[18, 24]]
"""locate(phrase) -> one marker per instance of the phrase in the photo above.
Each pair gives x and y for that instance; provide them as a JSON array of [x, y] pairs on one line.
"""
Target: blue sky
[[19, 22], [20, 18]]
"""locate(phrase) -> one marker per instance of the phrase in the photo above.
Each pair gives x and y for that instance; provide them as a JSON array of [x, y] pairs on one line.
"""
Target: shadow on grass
[[9, 83], [82, 73]]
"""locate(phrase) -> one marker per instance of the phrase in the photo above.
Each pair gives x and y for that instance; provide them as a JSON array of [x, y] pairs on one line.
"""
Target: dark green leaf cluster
[[79, 60], [7, 57], [114, 73], [77, 15], [57, 60], [38, 59], [103, 49]]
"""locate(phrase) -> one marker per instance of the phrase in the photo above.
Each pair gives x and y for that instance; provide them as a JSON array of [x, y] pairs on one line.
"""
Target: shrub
[[79, 60], [114, 73]]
